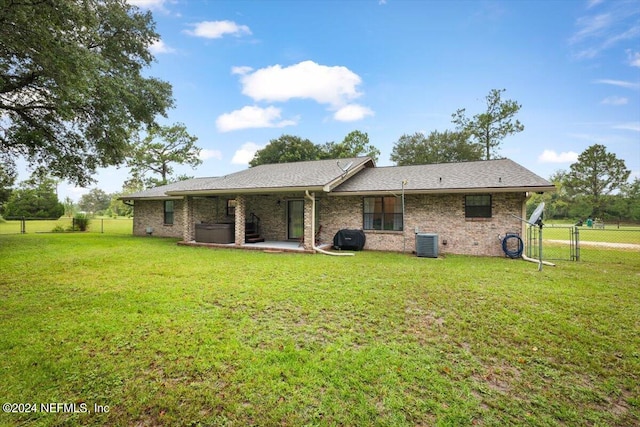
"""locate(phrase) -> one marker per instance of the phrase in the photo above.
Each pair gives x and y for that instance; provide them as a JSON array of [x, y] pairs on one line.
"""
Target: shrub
[[58, 229], [81, 222]]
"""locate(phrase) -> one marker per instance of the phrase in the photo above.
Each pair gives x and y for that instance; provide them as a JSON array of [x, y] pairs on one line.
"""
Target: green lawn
[[169, 335]]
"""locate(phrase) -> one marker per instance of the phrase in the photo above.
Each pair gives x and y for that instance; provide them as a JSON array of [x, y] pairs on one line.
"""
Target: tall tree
[[286, 149], [438, 147], [355, 144], [596, 174], [159, 150], [492, 126], [95, 201], [7, 179], [34, 198], [72, 90]]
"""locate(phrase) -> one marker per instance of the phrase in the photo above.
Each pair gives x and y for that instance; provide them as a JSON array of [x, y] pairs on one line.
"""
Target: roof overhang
[[151, 198], [241, 191], [537, 189]]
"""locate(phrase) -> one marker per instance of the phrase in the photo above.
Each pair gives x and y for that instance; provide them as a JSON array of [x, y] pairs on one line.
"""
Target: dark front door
[[295, 219]]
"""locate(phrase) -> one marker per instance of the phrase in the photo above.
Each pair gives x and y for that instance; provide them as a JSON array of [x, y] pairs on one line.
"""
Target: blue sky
[[246, 72]]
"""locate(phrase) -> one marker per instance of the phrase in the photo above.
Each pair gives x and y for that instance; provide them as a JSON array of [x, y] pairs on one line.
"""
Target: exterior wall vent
[[427, 245]]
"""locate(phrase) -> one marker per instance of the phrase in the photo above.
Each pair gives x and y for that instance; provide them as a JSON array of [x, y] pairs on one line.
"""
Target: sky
[[246, 72]]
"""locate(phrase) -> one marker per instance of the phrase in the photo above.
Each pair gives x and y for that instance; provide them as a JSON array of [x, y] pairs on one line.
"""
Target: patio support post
[[188, 226], [309, 222], [240, 220]]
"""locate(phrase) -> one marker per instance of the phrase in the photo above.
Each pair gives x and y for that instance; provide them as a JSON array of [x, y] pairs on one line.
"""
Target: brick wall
[[441, 214], [150, 213]]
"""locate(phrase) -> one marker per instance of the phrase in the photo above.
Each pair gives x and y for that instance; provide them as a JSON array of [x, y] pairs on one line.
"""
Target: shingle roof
[[361, 177], [160, 191], [310, 175], [496, 175], [278, 177]]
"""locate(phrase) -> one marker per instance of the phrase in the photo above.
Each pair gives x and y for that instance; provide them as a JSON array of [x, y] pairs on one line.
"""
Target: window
[[168, 212], [231, 207], [477, 206], [382, 213]]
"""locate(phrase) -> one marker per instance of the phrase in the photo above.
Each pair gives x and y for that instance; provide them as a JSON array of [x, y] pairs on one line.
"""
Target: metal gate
[[559, 243]]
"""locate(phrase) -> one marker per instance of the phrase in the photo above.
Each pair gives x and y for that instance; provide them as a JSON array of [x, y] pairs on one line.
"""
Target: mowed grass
[[169, 335], [609, 234]]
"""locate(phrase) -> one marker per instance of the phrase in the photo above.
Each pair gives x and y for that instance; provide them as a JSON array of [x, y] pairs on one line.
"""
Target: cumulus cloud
[[252, 117], [352, 113], [158, 47], [333, 85], [217, 29], [550, 156], [206, 154], [245, 153], [615, 100]]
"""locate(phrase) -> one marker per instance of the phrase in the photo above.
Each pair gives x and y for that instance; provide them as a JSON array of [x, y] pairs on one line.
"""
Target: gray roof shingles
[[502, 174], [495, 175]]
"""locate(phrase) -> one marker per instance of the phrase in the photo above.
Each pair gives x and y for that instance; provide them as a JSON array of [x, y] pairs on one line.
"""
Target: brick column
[[240, 219], [188, 225], [308, 222]]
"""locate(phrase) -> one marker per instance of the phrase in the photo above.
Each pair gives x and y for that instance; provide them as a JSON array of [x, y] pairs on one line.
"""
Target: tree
[[69, 207], [35, 198], [355, 144], [286, 149], [438, 147], [162, 147], [7, 179], [95, 201], [71, 87], [596, 174], [491, 127]]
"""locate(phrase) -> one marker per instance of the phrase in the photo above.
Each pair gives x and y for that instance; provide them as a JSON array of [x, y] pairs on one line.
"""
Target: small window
[[382, 213], [231, 207], [168, 212], [477, 206]]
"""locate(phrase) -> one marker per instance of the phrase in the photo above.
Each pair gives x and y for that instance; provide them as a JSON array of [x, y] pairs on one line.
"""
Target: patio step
[[253, 238]]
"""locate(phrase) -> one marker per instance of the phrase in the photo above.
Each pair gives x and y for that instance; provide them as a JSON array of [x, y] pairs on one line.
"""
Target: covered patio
[[266, 246]]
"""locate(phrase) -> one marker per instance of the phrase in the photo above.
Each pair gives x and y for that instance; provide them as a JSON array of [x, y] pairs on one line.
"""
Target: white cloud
[[306, 80], [252, 117], [352, 113], [241, 70], [550, 156], [615, 100], [148, 4], [218, 29], [206, 154], [634, 58], [613, 23], [634, 126], [619, 83], [158, 47], [245, 153]]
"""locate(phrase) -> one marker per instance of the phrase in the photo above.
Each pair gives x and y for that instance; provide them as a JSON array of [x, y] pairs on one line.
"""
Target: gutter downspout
[[313, 229]]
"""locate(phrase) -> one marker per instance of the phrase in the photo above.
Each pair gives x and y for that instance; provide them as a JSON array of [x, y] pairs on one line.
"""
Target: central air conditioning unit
[[427, 245]]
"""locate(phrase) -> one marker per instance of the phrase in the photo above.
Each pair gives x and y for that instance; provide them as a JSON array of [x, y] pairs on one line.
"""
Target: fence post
[[23, 226], [102, 225], [577, 239]]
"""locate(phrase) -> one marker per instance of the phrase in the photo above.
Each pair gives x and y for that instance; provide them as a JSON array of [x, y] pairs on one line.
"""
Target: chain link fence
[[65, 224], [582, 243]]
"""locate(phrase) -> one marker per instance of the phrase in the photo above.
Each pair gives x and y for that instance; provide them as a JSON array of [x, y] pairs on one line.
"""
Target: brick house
[[467, 204]]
